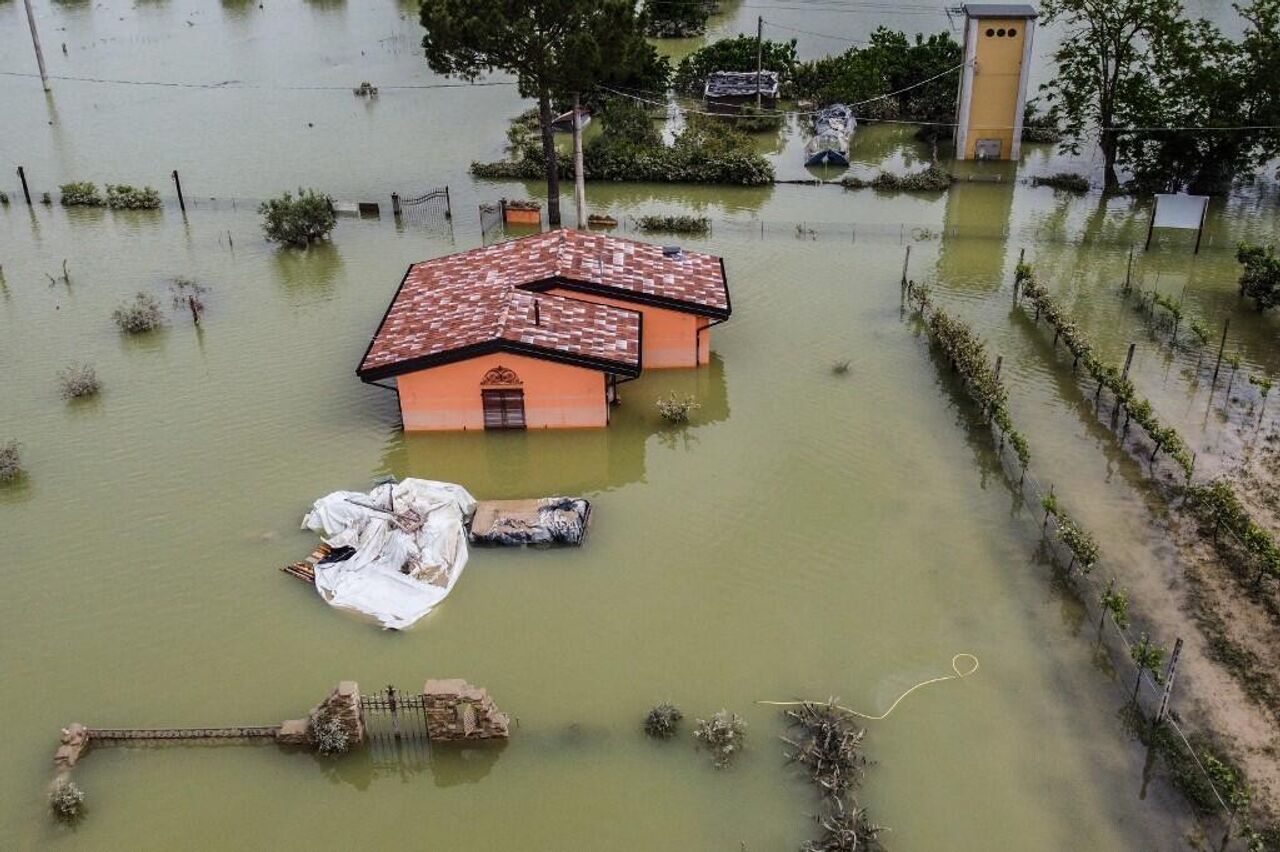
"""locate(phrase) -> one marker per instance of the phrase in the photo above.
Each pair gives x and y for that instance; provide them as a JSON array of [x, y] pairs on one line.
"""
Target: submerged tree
[[1260, 278], [555, 48], [1172, 100], [298, 221], [1104, 68], [676, 18]]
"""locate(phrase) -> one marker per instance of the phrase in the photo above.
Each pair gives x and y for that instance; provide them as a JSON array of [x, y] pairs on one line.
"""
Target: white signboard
[[1180, 211]]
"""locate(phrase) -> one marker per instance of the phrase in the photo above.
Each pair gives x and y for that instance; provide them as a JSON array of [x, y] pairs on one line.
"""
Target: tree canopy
[[1174, 103], [733, 54], [554, 48], [676, 18], [890, 62]]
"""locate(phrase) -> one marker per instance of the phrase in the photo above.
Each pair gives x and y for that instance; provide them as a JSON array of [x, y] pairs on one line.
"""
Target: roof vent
[[671, 251]]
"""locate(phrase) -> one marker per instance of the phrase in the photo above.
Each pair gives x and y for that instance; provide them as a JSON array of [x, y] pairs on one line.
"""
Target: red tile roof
[[484, 299]]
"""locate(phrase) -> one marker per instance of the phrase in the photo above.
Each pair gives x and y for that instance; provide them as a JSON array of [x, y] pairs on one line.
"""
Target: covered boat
[[832, 127], [393, 553]]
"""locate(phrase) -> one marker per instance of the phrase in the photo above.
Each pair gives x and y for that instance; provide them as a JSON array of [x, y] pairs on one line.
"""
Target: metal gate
[[431, 208], [490, 220], [392, 714]]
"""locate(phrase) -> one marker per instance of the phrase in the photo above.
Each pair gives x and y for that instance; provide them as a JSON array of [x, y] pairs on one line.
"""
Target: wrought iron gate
[[431, 208]]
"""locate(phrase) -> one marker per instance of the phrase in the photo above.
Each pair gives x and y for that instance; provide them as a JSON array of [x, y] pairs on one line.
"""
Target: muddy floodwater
[[809, 535]]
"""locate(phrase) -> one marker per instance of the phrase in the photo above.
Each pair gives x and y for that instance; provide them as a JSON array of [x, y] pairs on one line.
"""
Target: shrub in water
[[675, 224], [121, 196], [10, 461], [1069, 181], [662, 721], [329, 736], [298, 221], [79, 381], [723, 734], [676, 18], [80, 194], [66, 799], [677, 410], [139, 316]]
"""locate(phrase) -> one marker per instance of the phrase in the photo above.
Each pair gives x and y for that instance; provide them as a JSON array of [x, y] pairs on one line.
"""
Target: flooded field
[[809, 535]]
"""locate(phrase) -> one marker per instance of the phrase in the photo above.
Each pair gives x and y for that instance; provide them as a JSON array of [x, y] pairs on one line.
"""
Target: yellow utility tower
[[993, 82]]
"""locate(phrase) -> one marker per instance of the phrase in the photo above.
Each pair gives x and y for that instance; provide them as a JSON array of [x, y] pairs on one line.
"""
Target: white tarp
[[410, 546], [1179, 211]]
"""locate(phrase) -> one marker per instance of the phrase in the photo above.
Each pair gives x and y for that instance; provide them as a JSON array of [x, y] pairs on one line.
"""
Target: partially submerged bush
[[675, 409], [298, 221], [10, 461], [79, 381], [139, 316], [329, 736], [121, 196], [723, 734], [80, 194], [1260, 279], [662, 721], [676, 18], [675, 224], [1068, 181], [933, 179], [66, 799], [707, 150]]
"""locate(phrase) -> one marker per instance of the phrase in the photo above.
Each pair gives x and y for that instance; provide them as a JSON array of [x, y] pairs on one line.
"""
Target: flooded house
[[538, 332], [729, 91]]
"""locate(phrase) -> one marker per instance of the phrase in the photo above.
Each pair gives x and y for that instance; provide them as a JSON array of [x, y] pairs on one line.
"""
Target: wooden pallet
[[306, 569]]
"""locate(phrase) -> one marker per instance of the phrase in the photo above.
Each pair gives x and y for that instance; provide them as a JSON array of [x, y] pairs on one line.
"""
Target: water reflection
[[309, 273], [500, 465], [975, 210], [450, 765]]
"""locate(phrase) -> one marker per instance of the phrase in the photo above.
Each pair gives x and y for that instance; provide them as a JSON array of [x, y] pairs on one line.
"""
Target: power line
[[787, 113], [812, 33]]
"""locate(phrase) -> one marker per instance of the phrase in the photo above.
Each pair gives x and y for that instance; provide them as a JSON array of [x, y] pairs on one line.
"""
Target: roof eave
[[488, 347]]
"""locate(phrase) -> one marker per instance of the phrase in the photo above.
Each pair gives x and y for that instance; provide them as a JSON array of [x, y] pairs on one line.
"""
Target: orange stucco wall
[[555, 395], [997, 74], [669, 337]]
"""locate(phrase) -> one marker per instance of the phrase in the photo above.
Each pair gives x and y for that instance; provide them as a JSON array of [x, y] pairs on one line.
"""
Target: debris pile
[[547, 521], [826, 741]]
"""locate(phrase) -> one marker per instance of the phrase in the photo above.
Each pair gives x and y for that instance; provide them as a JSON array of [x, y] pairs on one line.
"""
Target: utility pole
[[759, 51], [579, 179], [35, 40]]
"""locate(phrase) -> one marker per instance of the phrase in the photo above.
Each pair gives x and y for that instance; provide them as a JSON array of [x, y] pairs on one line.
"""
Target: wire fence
[[747, 225], [1149, 692]]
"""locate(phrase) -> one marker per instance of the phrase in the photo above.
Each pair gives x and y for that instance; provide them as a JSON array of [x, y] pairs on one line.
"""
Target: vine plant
[[968, 354], [1215, 503], [1139, 410]]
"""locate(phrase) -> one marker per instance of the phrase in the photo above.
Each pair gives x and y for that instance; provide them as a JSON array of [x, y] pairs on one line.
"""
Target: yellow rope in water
[[955, 667]]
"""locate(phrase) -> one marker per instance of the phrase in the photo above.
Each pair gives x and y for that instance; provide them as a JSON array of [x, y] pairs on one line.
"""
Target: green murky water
[[809, 535]]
